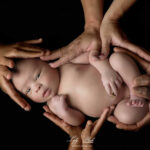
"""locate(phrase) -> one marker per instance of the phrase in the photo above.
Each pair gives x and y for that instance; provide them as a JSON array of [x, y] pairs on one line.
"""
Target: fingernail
[[9, 76], [27, 108]]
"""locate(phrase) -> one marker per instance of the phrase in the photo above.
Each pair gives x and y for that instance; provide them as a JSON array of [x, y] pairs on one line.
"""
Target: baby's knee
[[117, 59], [128, 114]]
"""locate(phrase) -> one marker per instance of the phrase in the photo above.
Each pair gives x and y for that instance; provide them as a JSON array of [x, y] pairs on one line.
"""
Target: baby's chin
[[129, 114]]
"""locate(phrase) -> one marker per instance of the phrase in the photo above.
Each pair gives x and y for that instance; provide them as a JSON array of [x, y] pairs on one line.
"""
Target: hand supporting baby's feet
[[111, 81]]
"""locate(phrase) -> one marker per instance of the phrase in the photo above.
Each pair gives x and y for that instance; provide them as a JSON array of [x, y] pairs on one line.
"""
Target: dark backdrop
[[58, 23]]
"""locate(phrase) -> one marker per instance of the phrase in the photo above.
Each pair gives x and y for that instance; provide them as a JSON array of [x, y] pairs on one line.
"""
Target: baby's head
[[129, 114], [35, 79]]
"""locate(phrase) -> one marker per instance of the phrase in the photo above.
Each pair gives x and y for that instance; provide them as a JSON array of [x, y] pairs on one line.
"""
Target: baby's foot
[[136, 102]]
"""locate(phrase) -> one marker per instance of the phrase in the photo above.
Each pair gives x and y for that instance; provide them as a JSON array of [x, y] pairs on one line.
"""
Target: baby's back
[[83, 85]]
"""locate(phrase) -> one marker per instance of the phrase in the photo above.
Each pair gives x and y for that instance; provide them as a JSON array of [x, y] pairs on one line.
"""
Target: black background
[[58, 23]]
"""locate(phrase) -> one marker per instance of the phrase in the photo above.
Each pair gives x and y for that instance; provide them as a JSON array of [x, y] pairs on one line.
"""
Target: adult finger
[[105, 49], [142, 91], [24, 54], [5, 72], [136, 49], [35, 41], [99, 123], [8, 88], [113, 119], [88, 127], [47, 109], [61, 61], [60, 123], [144, 64], [145, 121], [127, 127], [29, 47], [7, 62], [143, 80], [54, 55]]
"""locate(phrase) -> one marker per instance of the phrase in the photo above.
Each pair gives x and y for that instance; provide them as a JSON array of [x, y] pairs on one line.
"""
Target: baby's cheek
[[36, 98]]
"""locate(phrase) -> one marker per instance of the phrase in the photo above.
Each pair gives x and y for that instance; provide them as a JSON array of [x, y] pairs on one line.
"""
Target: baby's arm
[[110, 78], [59, 106]]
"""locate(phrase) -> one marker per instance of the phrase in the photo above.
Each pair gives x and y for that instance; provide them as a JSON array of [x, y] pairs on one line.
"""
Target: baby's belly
[[93, 103], [86, 92]]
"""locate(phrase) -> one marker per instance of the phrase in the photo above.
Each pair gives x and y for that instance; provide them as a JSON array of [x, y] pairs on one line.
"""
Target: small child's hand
[[58, 104], [111, 81]]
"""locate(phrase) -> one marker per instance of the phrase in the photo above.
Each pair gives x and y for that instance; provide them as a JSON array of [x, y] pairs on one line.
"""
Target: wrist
[[92, 25]]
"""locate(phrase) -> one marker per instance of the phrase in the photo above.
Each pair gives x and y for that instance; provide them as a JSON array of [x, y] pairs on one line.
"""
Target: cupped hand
[[112, 35], [87, 41], [75, 131], [24, 49]]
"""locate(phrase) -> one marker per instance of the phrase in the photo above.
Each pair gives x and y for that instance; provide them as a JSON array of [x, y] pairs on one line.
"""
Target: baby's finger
[[118, 84], [108, 89], [114, 88]]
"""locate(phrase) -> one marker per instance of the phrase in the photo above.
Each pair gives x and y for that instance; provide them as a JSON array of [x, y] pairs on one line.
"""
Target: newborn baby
[[75, 90]]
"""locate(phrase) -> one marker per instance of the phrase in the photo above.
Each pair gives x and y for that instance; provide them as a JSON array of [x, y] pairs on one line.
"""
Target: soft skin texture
[[128, 114], [33, 77], [24, 49], [84, 94]]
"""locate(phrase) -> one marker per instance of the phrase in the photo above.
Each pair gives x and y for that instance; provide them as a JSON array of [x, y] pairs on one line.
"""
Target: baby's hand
[[111, 81], [58, 104]]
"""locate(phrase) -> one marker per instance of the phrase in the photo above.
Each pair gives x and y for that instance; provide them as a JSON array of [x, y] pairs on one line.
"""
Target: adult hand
[[17, 50], [75, 130], [141, 88], [87, 41], [112, 35]]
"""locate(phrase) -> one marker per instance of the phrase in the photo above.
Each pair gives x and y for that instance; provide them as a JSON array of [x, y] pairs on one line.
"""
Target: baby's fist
[[58, 104]]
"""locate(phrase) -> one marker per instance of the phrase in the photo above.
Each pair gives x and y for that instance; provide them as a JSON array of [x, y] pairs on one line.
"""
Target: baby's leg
[[128, 70]]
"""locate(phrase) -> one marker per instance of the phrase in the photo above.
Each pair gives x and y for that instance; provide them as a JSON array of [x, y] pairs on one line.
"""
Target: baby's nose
[[37, 87]]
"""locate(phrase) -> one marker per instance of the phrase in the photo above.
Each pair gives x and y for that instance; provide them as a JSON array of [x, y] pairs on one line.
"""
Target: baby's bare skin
[[81, 83], [83, 86]]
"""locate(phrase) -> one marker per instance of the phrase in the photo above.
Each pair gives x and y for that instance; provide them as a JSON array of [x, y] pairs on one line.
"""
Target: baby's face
[[36, 79]]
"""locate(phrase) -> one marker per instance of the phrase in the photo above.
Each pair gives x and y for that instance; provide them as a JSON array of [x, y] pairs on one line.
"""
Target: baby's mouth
[[46, 92]]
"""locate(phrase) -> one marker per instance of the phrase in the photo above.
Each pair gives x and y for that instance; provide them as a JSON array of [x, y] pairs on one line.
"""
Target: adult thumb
[[105, 50]]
